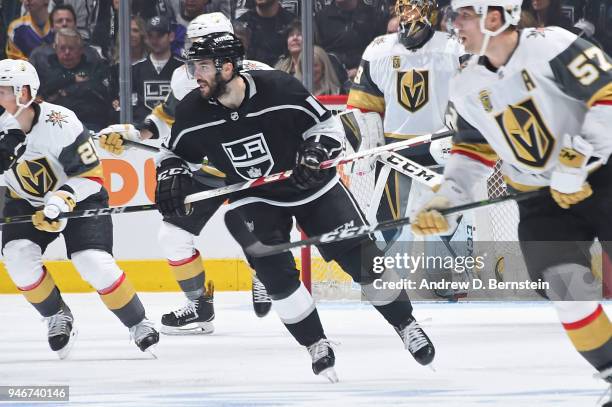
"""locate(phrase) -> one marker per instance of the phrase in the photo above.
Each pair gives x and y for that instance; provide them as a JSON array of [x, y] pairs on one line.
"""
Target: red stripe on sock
[[36, 284], [184, 261], [603, 102], [113, 286], [585, 321]]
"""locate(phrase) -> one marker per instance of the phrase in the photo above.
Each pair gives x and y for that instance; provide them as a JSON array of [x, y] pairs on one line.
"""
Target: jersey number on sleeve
[[87, 153], [584, 68]]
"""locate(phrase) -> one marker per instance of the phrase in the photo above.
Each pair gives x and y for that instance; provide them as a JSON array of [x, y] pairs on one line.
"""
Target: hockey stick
[[129, 143], [229, 189], [252, 246]]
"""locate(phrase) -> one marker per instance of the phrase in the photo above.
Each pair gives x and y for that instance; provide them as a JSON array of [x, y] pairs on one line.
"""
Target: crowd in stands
[[74, 44]]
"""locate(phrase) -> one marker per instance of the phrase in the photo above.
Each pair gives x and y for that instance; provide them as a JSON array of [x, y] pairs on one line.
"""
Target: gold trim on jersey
[[161, 113], [366, 101], [400, 136], [413, 89], [602, 94], [95, 172], [526, 133], [482, 150], [520, 187], [36, 177]]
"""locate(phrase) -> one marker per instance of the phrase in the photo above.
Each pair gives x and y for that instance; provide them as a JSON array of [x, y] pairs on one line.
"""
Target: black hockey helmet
[[221, 47], [417, 19]]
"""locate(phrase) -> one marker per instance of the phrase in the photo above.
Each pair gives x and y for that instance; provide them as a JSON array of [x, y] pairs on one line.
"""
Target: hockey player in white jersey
[[541, 100], [177, 235], [405, 76], [50, 166]]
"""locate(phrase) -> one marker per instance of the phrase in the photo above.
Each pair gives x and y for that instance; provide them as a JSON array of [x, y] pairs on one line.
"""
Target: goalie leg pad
[[23, 261]]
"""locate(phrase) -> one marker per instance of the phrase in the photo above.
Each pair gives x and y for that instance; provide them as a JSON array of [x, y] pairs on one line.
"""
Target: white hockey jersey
[[58, 148], [521, 111], [410, 87]]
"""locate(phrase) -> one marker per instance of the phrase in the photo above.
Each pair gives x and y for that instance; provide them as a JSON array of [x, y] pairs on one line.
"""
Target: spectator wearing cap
[[151, 75], [268, 23], [62, 16], [29, 31], [75, 82]]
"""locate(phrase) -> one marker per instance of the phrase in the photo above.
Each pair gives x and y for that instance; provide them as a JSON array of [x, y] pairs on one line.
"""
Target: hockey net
[[328, 281]]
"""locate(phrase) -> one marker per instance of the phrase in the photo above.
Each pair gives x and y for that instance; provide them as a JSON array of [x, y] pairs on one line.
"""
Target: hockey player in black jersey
[[251, 124]]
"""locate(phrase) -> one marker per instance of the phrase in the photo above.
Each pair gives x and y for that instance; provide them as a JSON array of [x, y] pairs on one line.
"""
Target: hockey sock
[[298, 313], [589, 329], [43, 295], [121, 298], [190, 275], [398, 311]]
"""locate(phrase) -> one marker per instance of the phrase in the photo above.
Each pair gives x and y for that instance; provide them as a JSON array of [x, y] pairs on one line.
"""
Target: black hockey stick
[[252, 246], [130, 143]]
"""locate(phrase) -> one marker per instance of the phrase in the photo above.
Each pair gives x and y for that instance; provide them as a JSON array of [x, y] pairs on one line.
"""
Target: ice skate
[[145, 335], [261, 300], [62, 332], [323, 359], [606, 399], [194, 318], [416, 341]]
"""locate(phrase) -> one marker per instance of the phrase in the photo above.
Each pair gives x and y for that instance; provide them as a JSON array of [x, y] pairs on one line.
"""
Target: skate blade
[[432, 367], [330, 374], [196, 328], [152, 351], [65, 351]]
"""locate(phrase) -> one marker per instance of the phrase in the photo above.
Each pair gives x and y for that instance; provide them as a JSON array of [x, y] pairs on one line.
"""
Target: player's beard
[[216, 88]]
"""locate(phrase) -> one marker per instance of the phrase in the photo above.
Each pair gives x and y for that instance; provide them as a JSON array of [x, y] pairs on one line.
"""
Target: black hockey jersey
[[150, 87], [259, 138]]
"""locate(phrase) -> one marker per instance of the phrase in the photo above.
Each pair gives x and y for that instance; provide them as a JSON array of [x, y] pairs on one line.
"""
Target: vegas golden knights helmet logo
[[413, 89], [526, 133], [35, 177]]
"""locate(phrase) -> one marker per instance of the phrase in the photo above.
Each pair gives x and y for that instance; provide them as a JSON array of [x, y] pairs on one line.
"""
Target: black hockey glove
[[306, 174], [11, 147], [174, 182]]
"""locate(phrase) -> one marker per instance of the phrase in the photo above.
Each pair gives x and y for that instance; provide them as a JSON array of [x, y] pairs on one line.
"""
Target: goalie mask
[[416, 21]]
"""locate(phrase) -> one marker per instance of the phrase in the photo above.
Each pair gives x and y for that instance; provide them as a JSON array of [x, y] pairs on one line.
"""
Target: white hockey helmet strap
[[511, 10], [18, 73]]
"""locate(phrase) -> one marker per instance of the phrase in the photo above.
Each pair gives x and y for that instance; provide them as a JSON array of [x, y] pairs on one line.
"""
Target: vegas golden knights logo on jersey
[[36, 177], [526, 133], [413, 89]]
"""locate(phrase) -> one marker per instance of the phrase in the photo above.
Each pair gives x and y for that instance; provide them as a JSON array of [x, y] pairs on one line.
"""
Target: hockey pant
[[332, 208]]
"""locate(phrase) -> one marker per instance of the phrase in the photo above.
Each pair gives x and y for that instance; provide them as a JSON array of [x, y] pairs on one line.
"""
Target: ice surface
[[503, 354]]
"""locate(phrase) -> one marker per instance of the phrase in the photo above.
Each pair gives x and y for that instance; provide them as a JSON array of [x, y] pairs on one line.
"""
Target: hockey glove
[[174, 182], [306, 174], [11, 147], [112, 138], [428, 221], [55, 203], [568, 184]]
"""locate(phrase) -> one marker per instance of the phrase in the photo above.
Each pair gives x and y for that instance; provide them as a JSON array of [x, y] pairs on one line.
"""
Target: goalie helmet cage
[[497, 224]]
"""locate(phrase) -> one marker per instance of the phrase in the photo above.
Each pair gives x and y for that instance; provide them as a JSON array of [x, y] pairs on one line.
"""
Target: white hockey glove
[[568, 184], [112, 138], [428, 221], [55, 203]]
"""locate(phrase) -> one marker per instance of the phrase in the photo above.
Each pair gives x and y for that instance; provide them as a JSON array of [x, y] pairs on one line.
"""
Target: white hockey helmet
[[209, 23], [511, 10], [18, 73]]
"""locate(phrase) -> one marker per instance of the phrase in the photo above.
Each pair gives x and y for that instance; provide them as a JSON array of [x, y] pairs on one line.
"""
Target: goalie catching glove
[[428, 221], [568, 184], [174, 183], [55, 203], [112, 138], [307, 174]]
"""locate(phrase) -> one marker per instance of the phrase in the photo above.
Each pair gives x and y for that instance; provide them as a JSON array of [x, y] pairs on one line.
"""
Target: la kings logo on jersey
[[250, 156], [155, 92], [413, 89], [526, 133]]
